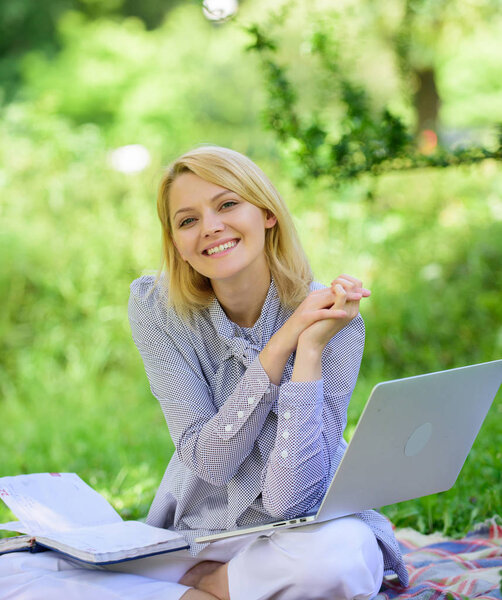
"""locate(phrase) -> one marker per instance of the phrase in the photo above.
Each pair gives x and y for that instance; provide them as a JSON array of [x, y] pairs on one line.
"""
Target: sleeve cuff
[[302, 393], [252, 393]]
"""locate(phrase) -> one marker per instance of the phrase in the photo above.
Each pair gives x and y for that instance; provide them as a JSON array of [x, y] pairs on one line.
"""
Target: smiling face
[[217, 232]]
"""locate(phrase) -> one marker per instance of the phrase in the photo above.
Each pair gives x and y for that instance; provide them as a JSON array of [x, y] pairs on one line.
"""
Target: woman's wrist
[[310, 346], [283, 341], [307, 365], [273, 359], [278, 347]]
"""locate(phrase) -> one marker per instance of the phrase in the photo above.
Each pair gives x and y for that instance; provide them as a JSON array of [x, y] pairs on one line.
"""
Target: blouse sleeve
[[212, 443], [311, 419]]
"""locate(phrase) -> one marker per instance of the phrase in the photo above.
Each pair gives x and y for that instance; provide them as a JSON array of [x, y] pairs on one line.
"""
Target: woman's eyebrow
[[188, 208]]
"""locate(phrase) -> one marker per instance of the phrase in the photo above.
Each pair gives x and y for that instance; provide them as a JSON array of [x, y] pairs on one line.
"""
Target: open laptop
[[412, 440]]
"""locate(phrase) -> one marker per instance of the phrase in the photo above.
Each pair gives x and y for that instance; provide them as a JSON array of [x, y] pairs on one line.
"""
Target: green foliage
[[429, 249], [149, 85], [426, 241], [470, 86], [71, 384], [27, 26], [364, 140], [424, 26]]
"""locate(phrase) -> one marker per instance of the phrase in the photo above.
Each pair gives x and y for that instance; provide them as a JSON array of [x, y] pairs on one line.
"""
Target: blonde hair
[[187, 290]]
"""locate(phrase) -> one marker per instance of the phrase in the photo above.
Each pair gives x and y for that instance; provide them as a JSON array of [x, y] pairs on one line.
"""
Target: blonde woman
[[253, 364]]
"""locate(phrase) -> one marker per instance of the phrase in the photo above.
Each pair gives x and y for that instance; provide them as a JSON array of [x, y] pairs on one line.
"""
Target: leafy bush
[[156, 87]]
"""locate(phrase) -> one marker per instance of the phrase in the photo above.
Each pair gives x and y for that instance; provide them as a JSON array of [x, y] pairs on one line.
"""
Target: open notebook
[[59, 511]]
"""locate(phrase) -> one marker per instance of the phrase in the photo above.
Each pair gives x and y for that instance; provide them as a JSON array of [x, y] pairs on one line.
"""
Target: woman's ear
[[270, 220]]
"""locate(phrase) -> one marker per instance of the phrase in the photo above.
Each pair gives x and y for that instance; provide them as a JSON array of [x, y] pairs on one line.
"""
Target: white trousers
[[335, 560]]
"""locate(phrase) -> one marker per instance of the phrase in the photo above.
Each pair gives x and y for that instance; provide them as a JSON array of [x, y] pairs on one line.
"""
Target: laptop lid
[[412, 438]]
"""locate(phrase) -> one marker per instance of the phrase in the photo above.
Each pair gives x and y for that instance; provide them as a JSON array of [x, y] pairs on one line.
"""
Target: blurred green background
[[96, 97]]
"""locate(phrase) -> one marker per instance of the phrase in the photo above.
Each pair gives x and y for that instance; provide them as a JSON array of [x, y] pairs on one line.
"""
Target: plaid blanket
[[446, 569]]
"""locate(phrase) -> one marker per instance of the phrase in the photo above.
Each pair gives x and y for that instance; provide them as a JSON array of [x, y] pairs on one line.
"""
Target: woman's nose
[[212, 224]]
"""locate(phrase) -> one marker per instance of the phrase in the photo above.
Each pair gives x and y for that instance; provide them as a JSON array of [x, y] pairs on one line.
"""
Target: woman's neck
[[243, 301]]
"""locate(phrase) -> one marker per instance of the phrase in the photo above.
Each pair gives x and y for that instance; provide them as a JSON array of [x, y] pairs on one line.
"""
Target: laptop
[[412, 440]]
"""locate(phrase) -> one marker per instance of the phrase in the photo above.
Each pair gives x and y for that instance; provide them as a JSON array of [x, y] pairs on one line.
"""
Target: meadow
[[75, 232]]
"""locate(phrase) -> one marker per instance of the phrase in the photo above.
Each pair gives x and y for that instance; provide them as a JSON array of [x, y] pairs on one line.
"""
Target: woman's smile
[[221, 249]]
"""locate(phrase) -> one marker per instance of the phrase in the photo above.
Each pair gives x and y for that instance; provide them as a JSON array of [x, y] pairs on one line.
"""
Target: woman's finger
[[354, 293], [345, 283], [348, 282], [331, 313], [341, 297], [357, 282], [354, 296]]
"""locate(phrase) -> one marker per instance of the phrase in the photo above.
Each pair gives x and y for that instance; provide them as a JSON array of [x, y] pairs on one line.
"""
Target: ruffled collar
[[246, 343]]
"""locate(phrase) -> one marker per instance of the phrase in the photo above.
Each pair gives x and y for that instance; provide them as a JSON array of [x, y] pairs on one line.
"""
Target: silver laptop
[[412, 440]]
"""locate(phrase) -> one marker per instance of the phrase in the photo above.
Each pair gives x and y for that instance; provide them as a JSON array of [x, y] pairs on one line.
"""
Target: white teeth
[[221, 247]]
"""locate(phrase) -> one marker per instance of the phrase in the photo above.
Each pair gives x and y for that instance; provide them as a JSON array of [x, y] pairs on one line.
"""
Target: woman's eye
[[189, 220]]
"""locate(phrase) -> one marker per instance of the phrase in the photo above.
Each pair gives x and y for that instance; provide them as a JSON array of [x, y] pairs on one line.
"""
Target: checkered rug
[[444, 569]]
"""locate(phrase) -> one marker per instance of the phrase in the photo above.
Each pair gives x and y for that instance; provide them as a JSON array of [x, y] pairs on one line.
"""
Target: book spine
[[36, 547]]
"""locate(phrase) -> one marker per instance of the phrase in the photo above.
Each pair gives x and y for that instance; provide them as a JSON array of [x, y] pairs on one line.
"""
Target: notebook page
[[55, 501], [125, 537]]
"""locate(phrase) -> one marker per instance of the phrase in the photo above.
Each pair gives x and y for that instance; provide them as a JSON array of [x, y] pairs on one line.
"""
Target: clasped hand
[[324, 313]]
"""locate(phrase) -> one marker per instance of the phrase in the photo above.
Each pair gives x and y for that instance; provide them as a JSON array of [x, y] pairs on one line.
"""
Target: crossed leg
[[208, 580]]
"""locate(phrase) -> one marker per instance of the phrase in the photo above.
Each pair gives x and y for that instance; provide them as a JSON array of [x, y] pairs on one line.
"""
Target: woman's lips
[[223, 252]]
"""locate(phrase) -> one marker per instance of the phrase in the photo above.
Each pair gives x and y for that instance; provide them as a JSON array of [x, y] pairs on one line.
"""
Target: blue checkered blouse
[[246, 449]]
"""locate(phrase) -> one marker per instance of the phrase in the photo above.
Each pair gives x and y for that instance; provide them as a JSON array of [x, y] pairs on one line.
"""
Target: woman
[[253, 364]]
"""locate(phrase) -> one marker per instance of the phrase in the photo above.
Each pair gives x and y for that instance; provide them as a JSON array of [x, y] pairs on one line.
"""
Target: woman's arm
[[312, 417]]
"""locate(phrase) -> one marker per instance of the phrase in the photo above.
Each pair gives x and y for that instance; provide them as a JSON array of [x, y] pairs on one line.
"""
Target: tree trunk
[[427, 100]]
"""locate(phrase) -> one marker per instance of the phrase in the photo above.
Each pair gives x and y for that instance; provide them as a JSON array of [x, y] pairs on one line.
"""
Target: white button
[[287, 415], [285, 434], [251, 400], [284, 454], [228, 427], [240, 414]]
